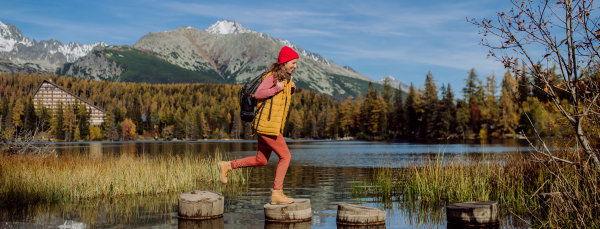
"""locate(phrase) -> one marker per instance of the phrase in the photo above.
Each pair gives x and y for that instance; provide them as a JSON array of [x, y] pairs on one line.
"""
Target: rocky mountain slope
[[225, 52], [8, 66], [95, 65], [235, 53], [44, 55]]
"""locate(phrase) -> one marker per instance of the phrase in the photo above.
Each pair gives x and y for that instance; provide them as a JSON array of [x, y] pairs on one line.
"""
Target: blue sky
[[405, 39]]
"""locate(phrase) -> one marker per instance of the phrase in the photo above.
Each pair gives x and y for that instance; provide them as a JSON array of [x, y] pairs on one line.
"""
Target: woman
[[277, 83]]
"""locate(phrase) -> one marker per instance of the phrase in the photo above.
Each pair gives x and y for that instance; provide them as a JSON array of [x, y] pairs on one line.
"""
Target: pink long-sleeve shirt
[[267, 88]]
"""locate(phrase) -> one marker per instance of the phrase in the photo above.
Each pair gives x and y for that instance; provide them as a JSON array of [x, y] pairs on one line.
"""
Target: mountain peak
[[390, 78], [10, 36], [228, 27], [395, 83]]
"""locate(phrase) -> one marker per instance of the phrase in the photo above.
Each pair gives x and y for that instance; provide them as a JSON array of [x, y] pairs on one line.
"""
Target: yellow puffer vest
[[281, 105]]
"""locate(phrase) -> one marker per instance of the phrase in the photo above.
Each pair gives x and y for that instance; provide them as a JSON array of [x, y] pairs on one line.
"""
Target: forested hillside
[[197, 111]]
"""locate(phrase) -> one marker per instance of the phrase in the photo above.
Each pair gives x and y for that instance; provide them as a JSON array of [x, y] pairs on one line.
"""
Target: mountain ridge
[[47, 54], [226, 51]]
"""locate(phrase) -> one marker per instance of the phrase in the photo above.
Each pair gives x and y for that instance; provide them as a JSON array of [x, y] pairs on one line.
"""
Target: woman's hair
[[278, 70]]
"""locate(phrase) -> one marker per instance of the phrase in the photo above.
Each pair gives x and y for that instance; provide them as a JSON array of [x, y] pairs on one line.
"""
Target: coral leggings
[[267, 144]]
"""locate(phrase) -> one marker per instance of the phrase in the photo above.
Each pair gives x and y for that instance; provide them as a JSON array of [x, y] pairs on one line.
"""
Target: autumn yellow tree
[[18, 111], [508, 116], [129, 131], [346, 112]]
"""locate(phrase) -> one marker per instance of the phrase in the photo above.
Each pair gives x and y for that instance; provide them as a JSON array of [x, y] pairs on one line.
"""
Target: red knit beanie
[[286, 54]]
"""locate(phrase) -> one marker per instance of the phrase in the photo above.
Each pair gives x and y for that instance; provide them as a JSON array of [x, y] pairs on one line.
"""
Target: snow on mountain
[[11, 40], [228, 27], [395, 83], [74, 50], [233, 27], [10, 36]]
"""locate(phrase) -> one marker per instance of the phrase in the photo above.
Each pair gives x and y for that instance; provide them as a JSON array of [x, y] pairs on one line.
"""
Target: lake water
[[322, 171]]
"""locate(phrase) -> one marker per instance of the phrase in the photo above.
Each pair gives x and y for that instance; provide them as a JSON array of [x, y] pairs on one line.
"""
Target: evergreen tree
[[45, 118], [135, 114], [398, 114], [474, 117], [179, 129], [237, 127], [3, 106], [472, 90], [411, 108], [30, 118], [523, 85], [539, 86], [448, 112], [462, 118], [5, 112], [59, 121], [314, 134], [83, 115], [112, 133], [387, 92], [431, 108], [490, 109]]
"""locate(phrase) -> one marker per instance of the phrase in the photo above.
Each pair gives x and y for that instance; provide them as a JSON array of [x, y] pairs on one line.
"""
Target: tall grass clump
[[28, 178], [514, 179]]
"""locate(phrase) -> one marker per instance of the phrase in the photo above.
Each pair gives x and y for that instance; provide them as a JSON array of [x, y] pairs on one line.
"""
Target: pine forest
[[491, 107]]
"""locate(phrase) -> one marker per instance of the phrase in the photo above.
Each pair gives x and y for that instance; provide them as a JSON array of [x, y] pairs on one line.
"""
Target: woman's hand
[[281, 84], [293, 85]]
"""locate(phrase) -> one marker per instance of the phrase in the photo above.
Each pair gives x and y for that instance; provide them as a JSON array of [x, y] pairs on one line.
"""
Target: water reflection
[[452, 226], [322, 171], [298, 225], [217, 223], [306, 153], [341, 226]]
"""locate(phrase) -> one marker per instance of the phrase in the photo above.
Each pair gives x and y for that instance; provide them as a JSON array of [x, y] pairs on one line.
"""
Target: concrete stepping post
[[475, 213], [298, 211], [349, 214], [278, 225], [200, 205], [217, 223]]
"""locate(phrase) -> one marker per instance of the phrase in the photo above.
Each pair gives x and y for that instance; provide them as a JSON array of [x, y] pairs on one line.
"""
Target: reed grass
[[513, 179], [28, 179], [122, 211]]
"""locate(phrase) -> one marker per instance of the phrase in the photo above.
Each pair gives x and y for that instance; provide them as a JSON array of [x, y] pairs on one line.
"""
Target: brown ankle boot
[[225, 170], [277, 197]]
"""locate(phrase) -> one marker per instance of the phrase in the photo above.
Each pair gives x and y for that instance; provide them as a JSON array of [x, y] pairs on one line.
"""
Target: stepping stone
[[295, 212], [200, 205], [475, 213], [279, 225], [350, 214], [217, 223]]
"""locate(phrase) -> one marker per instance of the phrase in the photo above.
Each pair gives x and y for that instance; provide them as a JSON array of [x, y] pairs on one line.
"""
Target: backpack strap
[[270, 109], [260, 109]]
